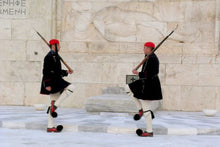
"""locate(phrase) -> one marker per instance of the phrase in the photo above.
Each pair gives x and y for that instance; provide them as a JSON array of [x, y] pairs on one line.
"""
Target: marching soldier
[[147, 89], [53, 84]]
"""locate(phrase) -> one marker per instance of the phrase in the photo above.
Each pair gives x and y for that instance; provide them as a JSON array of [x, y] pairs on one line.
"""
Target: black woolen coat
[[148, 87], [52, 74]]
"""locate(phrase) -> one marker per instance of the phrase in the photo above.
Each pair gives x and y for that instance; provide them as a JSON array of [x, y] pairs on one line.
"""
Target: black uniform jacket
[[52, 74], [148, 87]]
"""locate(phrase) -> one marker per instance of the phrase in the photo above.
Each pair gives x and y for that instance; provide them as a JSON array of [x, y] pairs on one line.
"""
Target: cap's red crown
[[149, 44], [54, 41]]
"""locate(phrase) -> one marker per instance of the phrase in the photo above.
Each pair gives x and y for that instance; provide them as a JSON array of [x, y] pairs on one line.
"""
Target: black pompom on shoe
[[54, 114], [139, 132], [59, 128], [137, 117]]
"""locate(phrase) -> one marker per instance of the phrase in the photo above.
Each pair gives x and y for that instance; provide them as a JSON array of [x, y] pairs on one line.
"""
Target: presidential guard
[[53, 83], [147, 89]]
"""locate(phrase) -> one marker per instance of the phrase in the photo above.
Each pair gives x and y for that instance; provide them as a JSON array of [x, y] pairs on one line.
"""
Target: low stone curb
[[113, 130], [78, 120]]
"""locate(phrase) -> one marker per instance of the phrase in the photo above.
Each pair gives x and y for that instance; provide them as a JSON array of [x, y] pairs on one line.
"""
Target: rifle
[[142, 62], [67, 66]]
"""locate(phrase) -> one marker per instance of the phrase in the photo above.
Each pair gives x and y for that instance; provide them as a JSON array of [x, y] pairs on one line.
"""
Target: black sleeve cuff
[[64, 73]]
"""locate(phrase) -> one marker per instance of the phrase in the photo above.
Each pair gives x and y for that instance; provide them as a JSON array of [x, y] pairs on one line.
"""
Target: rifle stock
[[142, 62]]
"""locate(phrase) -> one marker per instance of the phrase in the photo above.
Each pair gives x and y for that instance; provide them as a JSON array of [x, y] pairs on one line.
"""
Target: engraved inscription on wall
[[13, 8]]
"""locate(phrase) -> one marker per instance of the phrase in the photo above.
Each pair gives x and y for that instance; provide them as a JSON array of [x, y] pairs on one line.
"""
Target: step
[[114, 103]]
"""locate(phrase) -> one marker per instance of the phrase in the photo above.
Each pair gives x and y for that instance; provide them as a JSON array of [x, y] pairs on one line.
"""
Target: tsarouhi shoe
[[146, 134], [139, 115], [59, 128], [142, 133]]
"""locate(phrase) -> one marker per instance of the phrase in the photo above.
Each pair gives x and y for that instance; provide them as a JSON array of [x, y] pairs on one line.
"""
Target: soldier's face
[[147, 50], [54, 48]]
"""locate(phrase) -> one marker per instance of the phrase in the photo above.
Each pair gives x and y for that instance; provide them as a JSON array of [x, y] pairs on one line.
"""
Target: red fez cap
[[54, 41], [149, 44]]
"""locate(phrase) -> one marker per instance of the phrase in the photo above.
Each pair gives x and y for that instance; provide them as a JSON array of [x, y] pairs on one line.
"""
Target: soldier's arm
[[64, 73], [47, 71], [153, 68]]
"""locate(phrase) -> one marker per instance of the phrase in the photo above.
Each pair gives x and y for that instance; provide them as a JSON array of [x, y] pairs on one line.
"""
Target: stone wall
[[22, 50], [102, 40]]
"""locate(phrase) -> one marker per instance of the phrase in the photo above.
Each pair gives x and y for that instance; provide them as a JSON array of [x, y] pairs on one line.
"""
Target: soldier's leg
[[53, 98], [137, 102], [67, 92], [140, 108], [148, 114]]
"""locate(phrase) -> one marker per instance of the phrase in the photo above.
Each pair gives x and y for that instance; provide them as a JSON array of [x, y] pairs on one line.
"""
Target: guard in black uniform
[[147, 88], [53, 84]]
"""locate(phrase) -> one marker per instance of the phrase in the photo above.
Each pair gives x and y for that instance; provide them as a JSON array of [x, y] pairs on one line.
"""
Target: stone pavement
[[39, 138], [78, 120]]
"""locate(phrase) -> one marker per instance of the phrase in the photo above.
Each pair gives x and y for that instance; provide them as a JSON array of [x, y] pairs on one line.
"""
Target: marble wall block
[[13, 50], [103, 58], [170, 49], [162, 73], [202, 11], [5, 29], [24, 29], [218, 98], [87, 72], [182, 74], [21, 71], [12, 93], [36, 50], [169, 11], [74, 47], [171, 98], [199, 49], [209, 75], [143, 7], [198, 98], [198, 59], [217, 59], [115, 73], [168, 59], [40, 9], [32, 94]]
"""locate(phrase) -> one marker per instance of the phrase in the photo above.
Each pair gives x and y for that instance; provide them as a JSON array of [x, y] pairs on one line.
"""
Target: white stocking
[[53, 97], [137, 102], [67, 92], [147, 106]]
